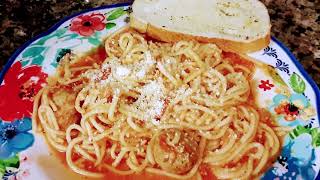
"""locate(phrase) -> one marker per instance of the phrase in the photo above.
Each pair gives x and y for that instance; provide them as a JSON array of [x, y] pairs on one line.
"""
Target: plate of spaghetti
[[93, 98]]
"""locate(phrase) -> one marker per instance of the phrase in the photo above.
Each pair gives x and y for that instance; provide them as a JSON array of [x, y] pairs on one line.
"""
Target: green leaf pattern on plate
[[57, 33], [297, 84], [110, 25], [94, 41], [115, 14], [33, 51], [314, 132], [34, 55], [12, 162], [49, 47], [37, 60]]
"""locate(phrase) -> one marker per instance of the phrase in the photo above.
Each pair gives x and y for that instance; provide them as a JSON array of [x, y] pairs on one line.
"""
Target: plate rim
[[17, 52], [292, 57]]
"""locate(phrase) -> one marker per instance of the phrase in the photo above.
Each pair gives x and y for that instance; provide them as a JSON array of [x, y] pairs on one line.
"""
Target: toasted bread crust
[[164, 35]]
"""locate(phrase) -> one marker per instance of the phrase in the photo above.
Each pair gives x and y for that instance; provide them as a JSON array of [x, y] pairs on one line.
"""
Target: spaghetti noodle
[[166, 109]]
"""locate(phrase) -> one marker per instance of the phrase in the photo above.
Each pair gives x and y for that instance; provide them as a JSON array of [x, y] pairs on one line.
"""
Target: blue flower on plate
[[296, 160], [292, 110], [14, 137]]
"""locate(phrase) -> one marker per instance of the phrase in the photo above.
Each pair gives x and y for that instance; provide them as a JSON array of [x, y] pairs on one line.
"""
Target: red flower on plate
[[86, 25], [17, 92], [265, 85]]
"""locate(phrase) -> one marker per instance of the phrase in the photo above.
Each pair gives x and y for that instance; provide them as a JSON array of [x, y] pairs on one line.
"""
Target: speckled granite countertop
[[295, 22]]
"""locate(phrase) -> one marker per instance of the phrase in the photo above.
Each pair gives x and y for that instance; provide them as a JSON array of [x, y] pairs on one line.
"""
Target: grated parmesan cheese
[[123, 75], [151, 100], [180, 94], [140, 74], [122, 71], [94, 75], [144, 66]]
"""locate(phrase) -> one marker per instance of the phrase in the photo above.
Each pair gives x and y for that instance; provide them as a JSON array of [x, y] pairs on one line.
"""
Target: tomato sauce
[[235, 59], [98, 55], [206, 173], [108, 174], [164, 145], [266, 117]]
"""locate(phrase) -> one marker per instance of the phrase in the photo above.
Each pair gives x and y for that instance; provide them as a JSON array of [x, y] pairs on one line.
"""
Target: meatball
[[66, 114], [176, 151]]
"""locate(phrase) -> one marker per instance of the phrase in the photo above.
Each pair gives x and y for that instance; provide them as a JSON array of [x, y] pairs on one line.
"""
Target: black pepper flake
[[225, 13]]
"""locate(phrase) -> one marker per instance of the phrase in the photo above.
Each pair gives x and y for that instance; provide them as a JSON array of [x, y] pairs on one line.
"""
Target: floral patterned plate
[[25, 155]]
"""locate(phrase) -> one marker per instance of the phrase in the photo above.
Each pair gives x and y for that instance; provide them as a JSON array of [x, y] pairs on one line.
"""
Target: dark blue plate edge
[[306, 76], [57, 25]]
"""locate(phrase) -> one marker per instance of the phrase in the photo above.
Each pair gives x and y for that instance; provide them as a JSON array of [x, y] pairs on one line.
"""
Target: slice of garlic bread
[[234, 25]]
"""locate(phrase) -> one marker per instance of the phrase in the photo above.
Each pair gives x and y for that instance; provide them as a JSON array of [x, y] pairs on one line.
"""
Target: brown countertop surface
[[294, 22]]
